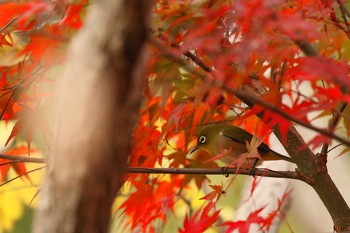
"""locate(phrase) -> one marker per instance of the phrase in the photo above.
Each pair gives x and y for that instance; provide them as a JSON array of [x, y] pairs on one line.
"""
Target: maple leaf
[[29, 121], [243, 225], [5, 39], [213, 197], [176, 114], [215, 194], [273, 214], [274, 120], [315, 68], [319, 140], [200, 221], [17, 128], [177, 159], [157, 198], [198, 116], [72, 16], [254, 185], [199, 160]]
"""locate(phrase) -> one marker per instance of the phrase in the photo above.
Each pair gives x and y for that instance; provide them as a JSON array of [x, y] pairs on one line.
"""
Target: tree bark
[[98, 102]]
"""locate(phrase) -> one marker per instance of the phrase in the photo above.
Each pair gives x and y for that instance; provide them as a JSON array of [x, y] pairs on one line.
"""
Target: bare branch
[[5, 107], [23, 159], [218, 171], [194, 171], [343, 8], [307, 48], [9, 23], [331, 127], [26, 173]]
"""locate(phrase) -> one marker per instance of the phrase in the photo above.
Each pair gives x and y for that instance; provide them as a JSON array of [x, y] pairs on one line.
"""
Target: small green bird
[[229, 143]]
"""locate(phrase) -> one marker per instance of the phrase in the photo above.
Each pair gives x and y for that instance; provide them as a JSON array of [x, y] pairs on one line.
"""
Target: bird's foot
[[224, 171], [252, 172]]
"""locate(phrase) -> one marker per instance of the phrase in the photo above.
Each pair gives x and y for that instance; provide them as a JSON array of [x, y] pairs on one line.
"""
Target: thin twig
[[198, 61], [343, 8], [26, 173], [334, 147], [255, 100], [344, 13], [6, 105], [332, 124], [194, 171], [33, 198], [22, 159], [216, 171], [8, 24]]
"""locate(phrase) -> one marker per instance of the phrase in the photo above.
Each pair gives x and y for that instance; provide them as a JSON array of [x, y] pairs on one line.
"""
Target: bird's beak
[[194, 149]]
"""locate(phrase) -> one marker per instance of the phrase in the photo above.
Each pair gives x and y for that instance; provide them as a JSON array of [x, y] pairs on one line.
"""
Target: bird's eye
[[202, 139]]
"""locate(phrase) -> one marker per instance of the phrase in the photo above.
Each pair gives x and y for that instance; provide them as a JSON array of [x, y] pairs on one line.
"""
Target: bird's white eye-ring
[[202, 139]]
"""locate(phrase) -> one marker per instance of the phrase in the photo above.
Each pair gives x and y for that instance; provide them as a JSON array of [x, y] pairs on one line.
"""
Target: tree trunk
[[98, 102]]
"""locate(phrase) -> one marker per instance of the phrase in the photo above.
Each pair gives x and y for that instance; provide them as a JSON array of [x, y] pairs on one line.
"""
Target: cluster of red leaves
[[152, 200], [224, 42], [229, 42], [256, 218], [200, 223], [37, 31]]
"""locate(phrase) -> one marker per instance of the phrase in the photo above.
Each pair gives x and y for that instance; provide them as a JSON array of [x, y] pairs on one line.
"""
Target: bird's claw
[[252, 172], [224, 171]]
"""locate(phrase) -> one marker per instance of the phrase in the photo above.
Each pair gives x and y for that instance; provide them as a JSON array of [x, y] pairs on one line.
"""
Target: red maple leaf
[[243, 225], [200, 221], [273, 214]]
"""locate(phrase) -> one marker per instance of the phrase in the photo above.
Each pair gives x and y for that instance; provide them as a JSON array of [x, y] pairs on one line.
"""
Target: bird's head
[[206, 137]]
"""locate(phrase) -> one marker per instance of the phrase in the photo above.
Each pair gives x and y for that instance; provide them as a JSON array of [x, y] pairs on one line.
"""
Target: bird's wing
[[244, 136], [240, 135]]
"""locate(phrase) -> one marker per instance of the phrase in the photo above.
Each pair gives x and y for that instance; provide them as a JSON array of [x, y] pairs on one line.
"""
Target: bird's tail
[[273, 155]]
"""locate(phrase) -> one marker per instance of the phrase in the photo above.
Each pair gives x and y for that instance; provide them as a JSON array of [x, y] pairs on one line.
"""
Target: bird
[[229, 143]]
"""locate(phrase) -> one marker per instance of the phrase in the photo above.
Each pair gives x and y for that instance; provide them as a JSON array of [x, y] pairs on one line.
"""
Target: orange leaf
[[17, 128], [215, 194], [19, 150], [20, 169]]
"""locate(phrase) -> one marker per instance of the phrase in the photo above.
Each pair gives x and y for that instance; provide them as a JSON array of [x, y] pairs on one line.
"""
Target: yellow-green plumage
[[216, 138]]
